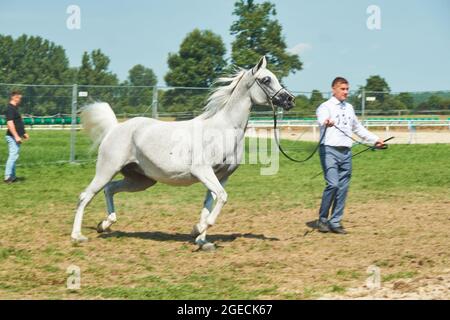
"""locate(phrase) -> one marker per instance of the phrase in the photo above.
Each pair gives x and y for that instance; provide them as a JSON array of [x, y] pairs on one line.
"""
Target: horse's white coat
[[206, 149]]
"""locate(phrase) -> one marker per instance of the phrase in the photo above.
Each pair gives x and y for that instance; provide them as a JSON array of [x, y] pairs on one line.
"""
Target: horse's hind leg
[[102, 177], [133, 183]]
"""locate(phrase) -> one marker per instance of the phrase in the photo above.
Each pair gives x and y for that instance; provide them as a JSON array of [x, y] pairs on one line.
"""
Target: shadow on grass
[[184, 237]]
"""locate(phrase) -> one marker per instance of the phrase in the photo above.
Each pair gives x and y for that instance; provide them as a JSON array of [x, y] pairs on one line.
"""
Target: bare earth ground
[[402, 135], [406, 236], [421, 288], [397, 214]]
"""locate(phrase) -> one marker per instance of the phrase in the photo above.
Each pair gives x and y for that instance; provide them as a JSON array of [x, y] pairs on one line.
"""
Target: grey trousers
[[337, 167]]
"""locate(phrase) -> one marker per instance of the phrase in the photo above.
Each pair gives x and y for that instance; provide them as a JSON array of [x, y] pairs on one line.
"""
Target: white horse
[[206, 149]]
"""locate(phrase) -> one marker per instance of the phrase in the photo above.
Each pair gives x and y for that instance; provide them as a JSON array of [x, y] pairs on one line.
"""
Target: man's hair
[[15, 93], [338, 80]]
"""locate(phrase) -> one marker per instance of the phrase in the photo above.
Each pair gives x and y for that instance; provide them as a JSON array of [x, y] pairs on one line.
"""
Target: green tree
[[143, 77], [379, 85], [316, 98], [391, 104], [303, 106], [259, 33], [94, 71], [354, 98], [34, 60], [407, 99], [434, 102], [199, 61]]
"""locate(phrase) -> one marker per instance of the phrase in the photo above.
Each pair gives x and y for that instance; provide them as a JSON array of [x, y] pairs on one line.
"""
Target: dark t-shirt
[[13, 114]]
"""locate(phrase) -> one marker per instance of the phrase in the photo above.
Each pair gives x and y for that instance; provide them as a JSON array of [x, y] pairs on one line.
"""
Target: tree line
[[380, 100], [199, 60]]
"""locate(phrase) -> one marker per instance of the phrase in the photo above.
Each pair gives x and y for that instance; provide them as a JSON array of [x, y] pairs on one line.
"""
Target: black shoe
[[9, 180], [338, 230], [322, 226]]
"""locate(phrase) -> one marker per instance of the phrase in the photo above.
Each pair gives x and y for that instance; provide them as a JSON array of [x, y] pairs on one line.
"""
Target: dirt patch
[[422, 288], [263, 253]]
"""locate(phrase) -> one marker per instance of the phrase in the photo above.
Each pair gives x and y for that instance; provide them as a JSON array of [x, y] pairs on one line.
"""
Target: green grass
[[176, 292], [399, 275], [337, 289], [406, 170], [5, 253], [348, 274], [47, 146]]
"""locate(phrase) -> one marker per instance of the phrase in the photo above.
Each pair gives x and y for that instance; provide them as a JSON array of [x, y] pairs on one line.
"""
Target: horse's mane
[[220, 95]]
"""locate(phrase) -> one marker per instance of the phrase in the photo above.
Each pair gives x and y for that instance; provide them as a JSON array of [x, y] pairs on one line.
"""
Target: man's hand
[[26, 136], [329, 123], [18, 139], [379, 143]]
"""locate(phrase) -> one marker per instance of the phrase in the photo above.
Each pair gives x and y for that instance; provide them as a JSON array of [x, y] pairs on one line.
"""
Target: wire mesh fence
[[51, 114]]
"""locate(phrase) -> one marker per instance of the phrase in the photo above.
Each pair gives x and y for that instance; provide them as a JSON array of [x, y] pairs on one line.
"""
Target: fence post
[[363, 104], [155, 103], [74, 122]]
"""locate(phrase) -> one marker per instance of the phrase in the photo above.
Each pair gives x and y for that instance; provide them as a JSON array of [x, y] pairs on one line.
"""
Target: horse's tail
[[98, 119]]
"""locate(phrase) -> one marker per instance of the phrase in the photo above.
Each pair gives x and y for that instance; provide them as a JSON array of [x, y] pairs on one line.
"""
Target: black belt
[[339, 148]]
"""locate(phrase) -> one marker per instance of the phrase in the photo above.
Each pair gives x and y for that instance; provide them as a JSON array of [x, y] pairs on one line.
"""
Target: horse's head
[[266, 88]]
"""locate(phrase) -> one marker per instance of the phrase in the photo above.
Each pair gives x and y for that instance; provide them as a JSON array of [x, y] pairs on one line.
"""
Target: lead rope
[[275, 133], [269, 98], [369, 147], [373, 148]]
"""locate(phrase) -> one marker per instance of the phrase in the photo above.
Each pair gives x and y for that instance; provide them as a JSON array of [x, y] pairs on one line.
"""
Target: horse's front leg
[[208, 218], [206, 212]]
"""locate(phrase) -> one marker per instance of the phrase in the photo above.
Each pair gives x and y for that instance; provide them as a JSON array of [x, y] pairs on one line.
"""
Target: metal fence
[[55, 106]]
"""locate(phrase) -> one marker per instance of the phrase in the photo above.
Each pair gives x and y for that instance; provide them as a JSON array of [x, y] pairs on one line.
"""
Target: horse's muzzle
[[285, 100]]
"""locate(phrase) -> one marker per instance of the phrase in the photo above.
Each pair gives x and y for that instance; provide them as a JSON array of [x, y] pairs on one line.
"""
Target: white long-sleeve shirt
[[344, 117]]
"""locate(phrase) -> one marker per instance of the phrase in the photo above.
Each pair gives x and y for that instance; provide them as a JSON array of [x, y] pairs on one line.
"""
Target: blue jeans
[[337, 168], [14, 148]]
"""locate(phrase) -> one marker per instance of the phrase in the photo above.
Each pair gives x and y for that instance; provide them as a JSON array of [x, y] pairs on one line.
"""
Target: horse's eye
[[266, 80]]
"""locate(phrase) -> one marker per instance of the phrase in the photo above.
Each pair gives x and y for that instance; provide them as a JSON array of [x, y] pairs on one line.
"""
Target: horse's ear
[[261, 64]]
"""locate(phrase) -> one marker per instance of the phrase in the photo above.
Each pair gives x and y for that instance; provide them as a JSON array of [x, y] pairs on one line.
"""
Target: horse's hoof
[[79, 238], [100, 227], [195, 232], [208, 247]]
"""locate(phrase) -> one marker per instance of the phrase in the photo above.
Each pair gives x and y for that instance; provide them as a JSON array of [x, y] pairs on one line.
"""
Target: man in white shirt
[[338, 116]]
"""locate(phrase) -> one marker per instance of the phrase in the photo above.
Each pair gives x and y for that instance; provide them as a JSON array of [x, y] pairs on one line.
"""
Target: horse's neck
[[237, 110]]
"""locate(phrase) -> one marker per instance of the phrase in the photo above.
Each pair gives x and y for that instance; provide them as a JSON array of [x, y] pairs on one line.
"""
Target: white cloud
[[300, 48]]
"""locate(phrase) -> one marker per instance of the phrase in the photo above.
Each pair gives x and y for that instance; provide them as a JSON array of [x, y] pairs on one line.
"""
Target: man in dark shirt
[[14, 135]]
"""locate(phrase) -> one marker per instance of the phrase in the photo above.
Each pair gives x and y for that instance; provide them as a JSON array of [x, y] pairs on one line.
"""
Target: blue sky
[[411, 50]]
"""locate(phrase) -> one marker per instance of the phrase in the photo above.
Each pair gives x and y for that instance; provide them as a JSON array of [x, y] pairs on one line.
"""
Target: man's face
[[340, 91], [16, 99]]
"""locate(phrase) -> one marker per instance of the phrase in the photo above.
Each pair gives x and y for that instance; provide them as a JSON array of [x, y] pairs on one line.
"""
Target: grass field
[[397, 214]]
